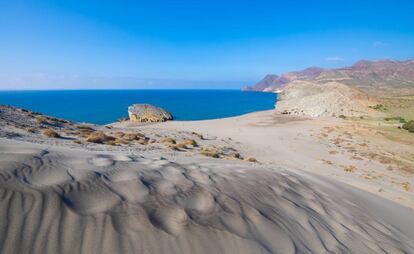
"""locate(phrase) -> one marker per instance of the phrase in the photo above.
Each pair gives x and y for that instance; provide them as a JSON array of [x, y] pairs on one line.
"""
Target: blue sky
[[191, 44]]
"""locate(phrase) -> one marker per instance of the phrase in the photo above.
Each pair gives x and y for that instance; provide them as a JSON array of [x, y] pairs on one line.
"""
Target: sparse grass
[[99, 137], [50, 133]]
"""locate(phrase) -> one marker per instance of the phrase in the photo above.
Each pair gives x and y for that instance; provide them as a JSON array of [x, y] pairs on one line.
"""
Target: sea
[[107, 106]]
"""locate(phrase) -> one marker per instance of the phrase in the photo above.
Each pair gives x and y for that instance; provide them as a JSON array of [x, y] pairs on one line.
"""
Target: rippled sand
[[59, 200]]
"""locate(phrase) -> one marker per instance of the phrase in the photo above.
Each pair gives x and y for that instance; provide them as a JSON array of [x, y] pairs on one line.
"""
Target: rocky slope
[[329, 99], [350, 91]]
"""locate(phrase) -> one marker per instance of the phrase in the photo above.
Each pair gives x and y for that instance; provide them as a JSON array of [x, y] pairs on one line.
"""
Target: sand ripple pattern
[[54, 202]]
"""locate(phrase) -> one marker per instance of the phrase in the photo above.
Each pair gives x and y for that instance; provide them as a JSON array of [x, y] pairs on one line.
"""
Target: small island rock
[[147, 113]]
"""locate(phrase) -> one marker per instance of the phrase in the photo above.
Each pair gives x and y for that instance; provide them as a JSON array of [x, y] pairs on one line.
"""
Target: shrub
[[200, 136], [236, 155], [112, 142], [118, 134], [210, 152], [41, 119], [143, 141], [189, 142], [168, 140], [250, 159], [379, 107], [85, 127], [342, 116], [395, 118], [98, 137], [30, 129], [180, 145], [409, 126], [50, 133], [133, 136]]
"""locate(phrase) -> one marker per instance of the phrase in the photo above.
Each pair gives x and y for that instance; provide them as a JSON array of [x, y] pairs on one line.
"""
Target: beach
[[358, 153], [62, 196]]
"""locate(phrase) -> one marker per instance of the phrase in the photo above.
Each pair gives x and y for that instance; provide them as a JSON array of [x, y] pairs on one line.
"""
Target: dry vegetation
[[210, 152], [30, 129], [41, 119], [50, 133], [99, 137], [168, 141], [250, 159]]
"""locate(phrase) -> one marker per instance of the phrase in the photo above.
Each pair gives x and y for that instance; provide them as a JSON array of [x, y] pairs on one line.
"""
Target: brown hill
[[385, 76]]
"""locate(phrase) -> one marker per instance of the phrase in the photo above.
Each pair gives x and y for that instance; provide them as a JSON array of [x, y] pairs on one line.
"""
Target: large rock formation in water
[[147, 113]]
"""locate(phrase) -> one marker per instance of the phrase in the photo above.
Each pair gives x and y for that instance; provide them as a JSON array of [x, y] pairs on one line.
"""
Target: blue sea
[[106, 106]]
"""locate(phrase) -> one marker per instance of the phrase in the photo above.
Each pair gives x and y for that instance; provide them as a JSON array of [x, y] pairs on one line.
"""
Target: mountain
[[368, 76]]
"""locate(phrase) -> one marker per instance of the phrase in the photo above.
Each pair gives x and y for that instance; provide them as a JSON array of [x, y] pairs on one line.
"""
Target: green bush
[[409, 126], [379, 107], [395, 118]]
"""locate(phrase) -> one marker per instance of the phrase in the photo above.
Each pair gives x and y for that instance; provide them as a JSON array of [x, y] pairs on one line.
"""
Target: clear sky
[[191, 44]]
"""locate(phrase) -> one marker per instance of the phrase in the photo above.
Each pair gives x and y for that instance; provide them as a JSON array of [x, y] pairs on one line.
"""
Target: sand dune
[[59, 200]]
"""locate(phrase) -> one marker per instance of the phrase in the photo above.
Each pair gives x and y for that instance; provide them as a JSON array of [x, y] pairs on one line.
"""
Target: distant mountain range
[[368, 76]]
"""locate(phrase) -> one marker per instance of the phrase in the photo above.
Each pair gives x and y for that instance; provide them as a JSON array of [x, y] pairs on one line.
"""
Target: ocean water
[[106, 106]]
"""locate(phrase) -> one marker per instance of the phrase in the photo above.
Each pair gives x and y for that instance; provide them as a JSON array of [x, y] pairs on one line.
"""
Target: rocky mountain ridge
[[368, 76]]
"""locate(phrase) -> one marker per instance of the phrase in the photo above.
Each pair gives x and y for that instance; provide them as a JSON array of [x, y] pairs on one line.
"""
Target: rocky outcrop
[[147, 113], [331, 99]]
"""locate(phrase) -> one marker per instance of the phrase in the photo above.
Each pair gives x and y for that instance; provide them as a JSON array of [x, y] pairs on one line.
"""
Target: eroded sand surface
[[371, 156], [60, 200]]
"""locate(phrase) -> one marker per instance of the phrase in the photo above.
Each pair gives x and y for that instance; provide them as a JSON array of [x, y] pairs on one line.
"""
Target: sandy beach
[[62, 196], [360, 154]]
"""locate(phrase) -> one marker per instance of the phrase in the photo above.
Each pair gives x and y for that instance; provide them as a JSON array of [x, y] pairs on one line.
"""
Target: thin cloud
[[379, 44], [335, 59]]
